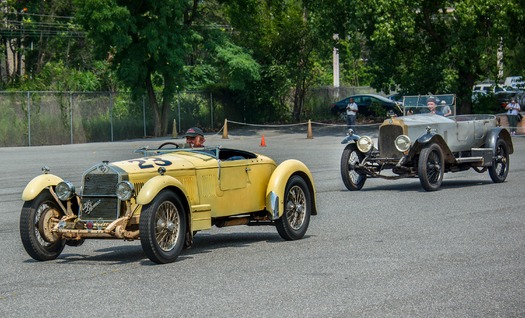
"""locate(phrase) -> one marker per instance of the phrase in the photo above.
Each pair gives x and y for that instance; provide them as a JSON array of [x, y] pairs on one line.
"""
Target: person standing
[[512, 114], [351, 113]]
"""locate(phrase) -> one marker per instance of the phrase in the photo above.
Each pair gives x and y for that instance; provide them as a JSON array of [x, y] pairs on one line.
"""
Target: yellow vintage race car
[[164, 198]]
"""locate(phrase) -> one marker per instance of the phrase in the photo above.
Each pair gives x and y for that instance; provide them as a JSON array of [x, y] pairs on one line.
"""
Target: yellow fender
[[39, 183], [156, 184], [277, 186]]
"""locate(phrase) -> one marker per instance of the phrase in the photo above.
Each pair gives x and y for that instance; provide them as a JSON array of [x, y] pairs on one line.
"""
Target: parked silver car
[[427, 145]]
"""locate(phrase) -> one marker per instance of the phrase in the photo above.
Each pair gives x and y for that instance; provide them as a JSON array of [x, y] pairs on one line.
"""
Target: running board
[[469, 159]]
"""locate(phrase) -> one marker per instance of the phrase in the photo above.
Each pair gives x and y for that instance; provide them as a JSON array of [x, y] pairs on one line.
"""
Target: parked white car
[[516, 82]]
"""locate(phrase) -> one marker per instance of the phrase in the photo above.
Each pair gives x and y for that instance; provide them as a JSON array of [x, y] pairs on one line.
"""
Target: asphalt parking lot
[[389, 250]]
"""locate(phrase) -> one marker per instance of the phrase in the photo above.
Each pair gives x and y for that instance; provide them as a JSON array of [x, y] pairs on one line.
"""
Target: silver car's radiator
[[99, 201], [387, 136]]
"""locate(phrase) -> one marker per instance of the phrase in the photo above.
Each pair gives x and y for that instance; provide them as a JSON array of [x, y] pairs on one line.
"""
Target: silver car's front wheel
[[350, 160], [431, 167], [163, 228]]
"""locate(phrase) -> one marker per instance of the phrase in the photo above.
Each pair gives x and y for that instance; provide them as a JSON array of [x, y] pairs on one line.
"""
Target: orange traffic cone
[[263, 142], [309, 134]]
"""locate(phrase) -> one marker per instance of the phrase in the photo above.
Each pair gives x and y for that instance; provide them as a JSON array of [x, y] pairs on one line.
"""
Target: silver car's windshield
[[413, 105]]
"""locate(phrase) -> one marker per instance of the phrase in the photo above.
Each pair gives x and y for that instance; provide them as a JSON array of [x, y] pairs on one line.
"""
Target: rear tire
[[292, 225], [431, 167], [37, 219], [351, 157], [163, 228], [500, 163]]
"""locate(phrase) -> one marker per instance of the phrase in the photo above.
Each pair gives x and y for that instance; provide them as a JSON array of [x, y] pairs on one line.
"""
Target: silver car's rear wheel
[[500, 163]]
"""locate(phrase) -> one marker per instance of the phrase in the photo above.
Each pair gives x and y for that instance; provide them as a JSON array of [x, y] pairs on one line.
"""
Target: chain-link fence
[[51, 118], [38, 118]]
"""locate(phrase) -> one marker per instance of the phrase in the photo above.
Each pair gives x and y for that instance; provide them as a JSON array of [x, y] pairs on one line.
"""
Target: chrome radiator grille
[[99, 201], [387, 136]]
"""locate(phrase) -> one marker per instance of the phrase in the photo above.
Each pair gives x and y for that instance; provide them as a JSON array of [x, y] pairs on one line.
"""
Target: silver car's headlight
[[125, 190], [365, 144], [65, 190], [402, 143]]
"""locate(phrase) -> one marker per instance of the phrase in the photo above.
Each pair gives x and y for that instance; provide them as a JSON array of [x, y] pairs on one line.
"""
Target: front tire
[[292, 225], [163, 228], [350, 158], [431, 167], [500, 163], [37, 219]]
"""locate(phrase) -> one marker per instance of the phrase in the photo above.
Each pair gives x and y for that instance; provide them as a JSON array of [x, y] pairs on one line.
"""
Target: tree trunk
[[165, 119], [157, 130], [464, 94]]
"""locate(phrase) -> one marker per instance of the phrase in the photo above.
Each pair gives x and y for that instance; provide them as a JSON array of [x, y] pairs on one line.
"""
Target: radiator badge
[[104, 167], [89, 206]]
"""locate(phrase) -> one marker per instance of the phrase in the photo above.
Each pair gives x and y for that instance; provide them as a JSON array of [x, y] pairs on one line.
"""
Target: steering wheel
[[169, 143]]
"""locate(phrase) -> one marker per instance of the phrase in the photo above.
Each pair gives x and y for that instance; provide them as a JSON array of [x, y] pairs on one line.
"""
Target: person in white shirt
[[513, 109], [351, 113]]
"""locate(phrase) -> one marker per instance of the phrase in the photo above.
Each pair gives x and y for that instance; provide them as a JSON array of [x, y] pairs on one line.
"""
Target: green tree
[[436, 46], [145, 41], [166, 45], [284, 38]]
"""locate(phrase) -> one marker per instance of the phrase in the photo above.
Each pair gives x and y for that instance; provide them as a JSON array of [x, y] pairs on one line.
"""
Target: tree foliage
[[436, 46], [261, 56], [144, 40]]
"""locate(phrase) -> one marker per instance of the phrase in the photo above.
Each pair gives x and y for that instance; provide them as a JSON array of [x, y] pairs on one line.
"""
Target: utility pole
[[336, 62]]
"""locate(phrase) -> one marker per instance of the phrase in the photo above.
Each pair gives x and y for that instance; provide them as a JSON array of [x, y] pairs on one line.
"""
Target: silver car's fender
[[156, 184], [496, 133], [39, 183], [430, 138], [277, 186]]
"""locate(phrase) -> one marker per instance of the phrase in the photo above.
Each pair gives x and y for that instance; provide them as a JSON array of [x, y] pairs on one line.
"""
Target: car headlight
[[402, 143], [365, 144], [65, 190], [125, 190]]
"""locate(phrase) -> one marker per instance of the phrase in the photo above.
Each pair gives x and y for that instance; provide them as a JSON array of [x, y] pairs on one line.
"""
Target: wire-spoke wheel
[[37, 220], [350, 160], [500, 163], [163, 228], [431, 167], [292, 225]]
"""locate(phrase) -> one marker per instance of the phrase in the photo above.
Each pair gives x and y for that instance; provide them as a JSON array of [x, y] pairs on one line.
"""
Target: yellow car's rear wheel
[[292, 225]]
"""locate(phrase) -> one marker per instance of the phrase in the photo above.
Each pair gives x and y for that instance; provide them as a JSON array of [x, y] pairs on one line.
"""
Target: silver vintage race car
[[426, 145]]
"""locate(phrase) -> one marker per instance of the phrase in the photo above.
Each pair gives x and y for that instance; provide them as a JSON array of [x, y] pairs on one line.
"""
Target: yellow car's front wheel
[[37, 220], [292, 225], [163, 228]]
